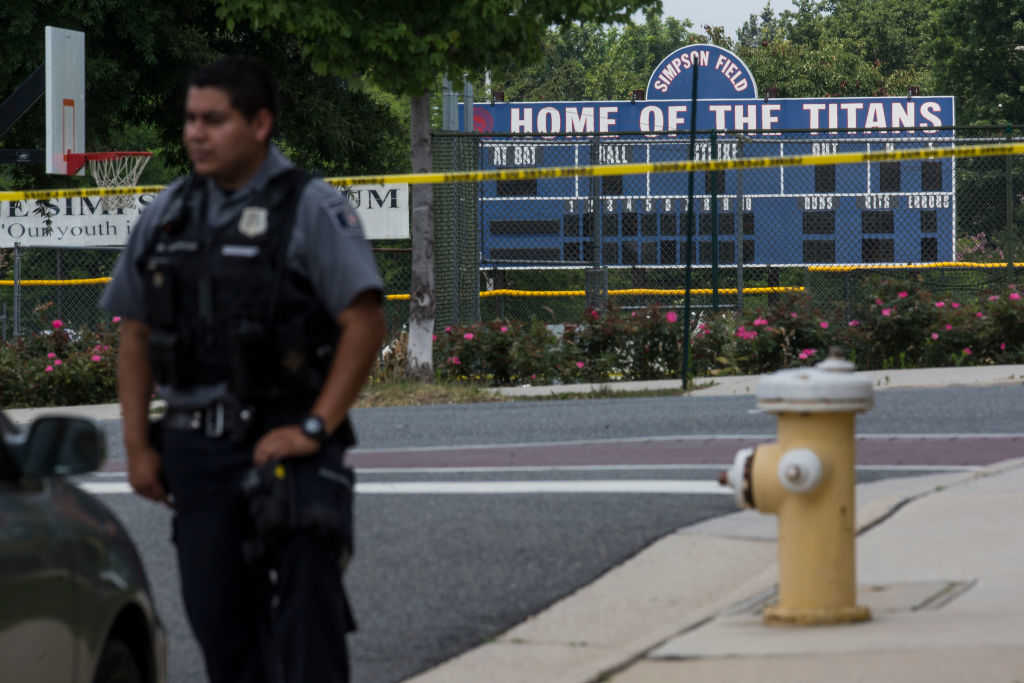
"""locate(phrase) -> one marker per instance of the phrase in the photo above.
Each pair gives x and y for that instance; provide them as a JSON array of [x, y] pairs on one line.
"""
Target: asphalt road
[[437, 574]]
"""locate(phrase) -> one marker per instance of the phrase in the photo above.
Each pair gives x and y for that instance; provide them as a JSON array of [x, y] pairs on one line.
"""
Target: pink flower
[[116, 319], [1015, 295], [51, 354], [886, 312], [854, 323], [579, 364], [96, 358], [97, 347], [793, 315], [955, 305], [807, 353], [504, 328], [979, 314], [433, 337], [823, 324], [57, 324], [672, 316], [534, 376], [902, 295], [468, 336], [878, 302], [994, 297], [760, 321], [106, 347], [967, 351], [49, 368], [939, 304], [448, 329], [58, 362], [935, 335], [454, 360], [1002, 347], [948, 327]]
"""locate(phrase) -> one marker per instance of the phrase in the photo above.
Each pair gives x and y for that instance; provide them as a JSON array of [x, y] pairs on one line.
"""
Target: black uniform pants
[[283, 622]]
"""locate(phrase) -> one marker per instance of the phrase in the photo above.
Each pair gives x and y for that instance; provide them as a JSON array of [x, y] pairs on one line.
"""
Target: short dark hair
[[248, 82]]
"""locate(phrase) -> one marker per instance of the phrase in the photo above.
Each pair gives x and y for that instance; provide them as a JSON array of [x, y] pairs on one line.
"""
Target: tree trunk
[[421, 301]]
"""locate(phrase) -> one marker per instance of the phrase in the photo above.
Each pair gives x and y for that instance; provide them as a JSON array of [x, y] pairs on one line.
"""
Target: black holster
[[311, 494]]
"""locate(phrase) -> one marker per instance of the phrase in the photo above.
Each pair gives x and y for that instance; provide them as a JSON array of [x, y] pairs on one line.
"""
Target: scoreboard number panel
[[899, 211]]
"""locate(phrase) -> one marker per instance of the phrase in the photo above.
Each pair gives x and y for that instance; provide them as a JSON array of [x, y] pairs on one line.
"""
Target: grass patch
[[409, 393], [602, 392]]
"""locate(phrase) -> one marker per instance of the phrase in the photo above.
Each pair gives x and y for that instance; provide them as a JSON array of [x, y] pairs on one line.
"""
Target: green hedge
[[899, 324]]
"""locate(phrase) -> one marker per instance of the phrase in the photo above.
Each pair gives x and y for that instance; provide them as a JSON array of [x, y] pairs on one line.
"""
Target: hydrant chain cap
[[830, 386], [800, 470]]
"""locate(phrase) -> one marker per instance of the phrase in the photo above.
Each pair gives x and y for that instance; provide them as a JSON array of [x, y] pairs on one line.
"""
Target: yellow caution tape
[[1001, 149], [904, 266], [58, 283], [22, 195], [618, 292]]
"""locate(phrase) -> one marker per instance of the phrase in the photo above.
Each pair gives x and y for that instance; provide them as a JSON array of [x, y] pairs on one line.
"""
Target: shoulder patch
[[345, 216]]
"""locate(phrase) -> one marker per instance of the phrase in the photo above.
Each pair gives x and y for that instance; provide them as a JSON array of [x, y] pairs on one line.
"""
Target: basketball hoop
[[112, 169]]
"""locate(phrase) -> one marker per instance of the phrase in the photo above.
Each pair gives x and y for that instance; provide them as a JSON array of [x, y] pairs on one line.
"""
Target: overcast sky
[[728, 13]]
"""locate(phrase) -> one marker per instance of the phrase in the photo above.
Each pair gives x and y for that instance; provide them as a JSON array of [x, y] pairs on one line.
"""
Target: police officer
[[251, 302]]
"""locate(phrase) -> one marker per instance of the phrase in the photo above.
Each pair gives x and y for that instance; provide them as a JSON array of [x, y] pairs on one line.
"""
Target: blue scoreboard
[[888, 212]]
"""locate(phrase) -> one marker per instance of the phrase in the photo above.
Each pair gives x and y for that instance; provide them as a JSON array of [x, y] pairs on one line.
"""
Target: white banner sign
[[82, 221], [383, 210]]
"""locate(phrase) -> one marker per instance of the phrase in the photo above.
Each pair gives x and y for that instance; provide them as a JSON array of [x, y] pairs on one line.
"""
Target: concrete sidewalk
[[734, 385], [940, 567]]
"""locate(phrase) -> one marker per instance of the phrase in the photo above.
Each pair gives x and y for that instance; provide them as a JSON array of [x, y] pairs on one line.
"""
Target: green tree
[[977, 54], [837, 48], [138, 56], [590, 61], [405, 48]]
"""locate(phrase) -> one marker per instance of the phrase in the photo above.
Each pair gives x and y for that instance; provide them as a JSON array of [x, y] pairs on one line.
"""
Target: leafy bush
[[59, 367], [899, 325]]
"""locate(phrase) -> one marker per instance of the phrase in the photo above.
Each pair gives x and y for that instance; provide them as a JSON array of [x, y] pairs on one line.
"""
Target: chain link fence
[[40, 285], [568, 243], [549, 248]]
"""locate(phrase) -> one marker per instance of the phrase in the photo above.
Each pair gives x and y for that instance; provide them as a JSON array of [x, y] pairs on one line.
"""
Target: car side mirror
[[61, 446]]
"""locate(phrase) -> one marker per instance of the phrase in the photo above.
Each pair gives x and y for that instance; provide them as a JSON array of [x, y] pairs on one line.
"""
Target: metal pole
[[17, 291], [598, 221], [467, 106], [689, 236], [1009, 242], [714, 225], [740, 234], [60, 289]]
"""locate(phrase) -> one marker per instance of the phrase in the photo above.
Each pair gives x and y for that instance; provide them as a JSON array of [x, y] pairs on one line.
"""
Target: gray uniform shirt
[[327, 246]]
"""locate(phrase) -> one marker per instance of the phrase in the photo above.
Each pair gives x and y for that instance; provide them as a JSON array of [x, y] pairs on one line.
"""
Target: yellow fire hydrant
[[806, 478]]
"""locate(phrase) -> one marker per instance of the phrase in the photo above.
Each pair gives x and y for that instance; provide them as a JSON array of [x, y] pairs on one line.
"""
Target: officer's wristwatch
[[313, 427]]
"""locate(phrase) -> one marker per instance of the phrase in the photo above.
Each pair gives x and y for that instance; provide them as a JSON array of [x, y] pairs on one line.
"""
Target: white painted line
[[497, 487], [577, 486], [662, 439], [627, 468]]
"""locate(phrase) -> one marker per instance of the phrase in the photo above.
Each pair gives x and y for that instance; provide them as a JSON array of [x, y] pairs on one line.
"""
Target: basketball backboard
[[65, 97]]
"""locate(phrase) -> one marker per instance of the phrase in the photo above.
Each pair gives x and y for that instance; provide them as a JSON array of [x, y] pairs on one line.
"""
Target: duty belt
[[213, 421]]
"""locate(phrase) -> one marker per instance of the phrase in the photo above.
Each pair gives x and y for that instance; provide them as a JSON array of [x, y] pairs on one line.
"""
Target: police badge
[[253, 221]]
